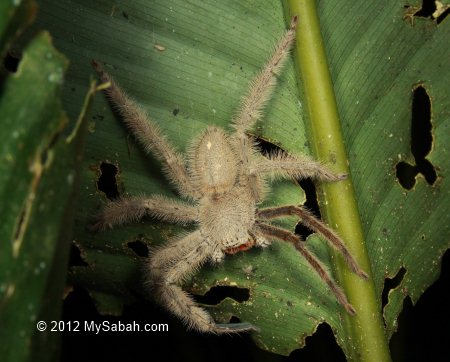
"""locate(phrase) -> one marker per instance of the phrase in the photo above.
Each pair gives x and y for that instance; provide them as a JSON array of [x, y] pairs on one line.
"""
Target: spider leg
[[309, 220], [259, 93], [128, 209], [167, 269], [283, 165], [262, 86], [284, 235], [148, 133]]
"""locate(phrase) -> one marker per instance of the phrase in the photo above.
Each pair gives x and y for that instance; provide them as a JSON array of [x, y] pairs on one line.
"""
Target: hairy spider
[[223, 181]]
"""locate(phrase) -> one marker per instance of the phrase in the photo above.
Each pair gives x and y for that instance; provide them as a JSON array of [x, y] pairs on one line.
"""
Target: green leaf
[[37, 179], [188, 64], [15, 16], [374, 80]]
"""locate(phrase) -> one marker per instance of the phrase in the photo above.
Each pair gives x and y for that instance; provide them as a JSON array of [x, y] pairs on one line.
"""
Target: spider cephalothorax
[[223, 181]]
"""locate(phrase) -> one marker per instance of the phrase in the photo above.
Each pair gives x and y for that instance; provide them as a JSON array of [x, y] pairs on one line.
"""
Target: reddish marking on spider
[[243, 247]]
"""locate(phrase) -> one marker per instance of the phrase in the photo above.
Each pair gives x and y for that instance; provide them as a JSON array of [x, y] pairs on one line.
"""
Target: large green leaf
[[37, 178], [188, 64]]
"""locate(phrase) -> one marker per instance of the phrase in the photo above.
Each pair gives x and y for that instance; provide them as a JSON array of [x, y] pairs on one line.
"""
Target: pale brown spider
[[223, 181]]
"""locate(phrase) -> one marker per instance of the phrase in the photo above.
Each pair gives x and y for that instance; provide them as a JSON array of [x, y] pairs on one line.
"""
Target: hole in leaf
[[234, 319], [421, 142], [431, 9], [218, 293], [443, 15], [267, 147], [76, 259], [427, 10], [311, 203], [107, 182], [406, 175], [306, 184], [423, 327], [390, 284], [421, 137], [11, 62], [139, 248], [427, 169], [321, 346]]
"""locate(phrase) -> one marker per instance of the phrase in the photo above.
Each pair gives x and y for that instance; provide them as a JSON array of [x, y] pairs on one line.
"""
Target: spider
[[222, 181]]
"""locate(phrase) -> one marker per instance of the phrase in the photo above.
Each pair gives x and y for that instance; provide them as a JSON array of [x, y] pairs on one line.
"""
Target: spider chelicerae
[[222, 180]]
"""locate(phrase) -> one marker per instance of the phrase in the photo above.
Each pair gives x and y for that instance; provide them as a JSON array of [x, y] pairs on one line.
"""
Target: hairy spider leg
[[132, 209], [262, 86], [284, 235], [170, 268], [259, 92], [148, 133], [280, 165], [310, 221]]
